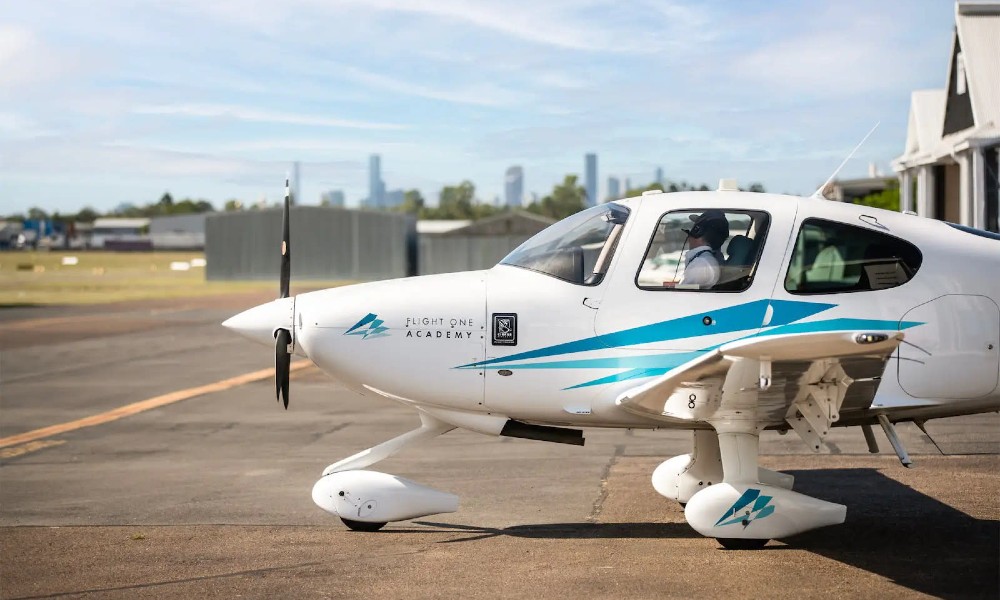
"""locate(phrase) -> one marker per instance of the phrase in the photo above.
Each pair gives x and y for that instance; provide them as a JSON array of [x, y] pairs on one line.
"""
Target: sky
[[104, 102]]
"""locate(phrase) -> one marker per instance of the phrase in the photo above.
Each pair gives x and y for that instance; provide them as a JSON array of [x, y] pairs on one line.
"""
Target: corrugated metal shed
[[477, 244], [328, 243]]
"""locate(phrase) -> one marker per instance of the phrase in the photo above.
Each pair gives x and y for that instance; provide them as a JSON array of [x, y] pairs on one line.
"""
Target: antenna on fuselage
[[819, 193]]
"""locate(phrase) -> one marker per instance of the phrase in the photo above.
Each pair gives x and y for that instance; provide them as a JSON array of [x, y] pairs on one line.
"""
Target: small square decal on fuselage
[[504, 329]]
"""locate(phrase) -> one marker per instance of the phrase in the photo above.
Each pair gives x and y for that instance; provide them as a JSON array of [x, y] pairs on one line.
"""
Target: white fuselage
[[434, 341]]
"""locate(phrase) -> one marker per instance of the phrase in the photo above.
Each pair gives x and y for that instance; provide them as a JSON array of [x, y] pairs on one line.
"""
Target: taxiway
[[208, 495]]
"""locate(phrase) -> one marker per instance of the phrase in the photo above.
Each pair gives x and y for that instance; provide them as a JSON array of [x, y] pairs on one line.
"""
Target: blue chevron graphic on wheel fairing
[[742, 512]]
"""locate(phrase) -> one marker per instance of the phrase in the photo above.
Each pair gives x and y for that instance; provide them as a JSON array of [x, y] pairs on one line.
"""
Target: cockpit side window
[[831, 257], [577, 249], [704, 250]]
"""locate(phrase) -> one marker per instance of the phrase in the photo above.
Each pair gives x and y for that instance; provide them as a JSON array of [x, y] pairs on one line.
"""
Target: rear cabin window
[[831, 257], [671, 263]]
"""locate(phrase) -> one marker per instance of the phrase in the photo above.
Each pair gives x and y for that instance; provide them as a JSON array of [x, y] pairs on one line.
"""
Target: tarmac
[[207, 493]]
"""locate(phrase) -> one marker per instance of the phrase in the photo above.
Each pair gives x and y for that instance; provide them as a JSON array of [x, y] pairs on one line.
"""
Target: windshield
[[577, 249]]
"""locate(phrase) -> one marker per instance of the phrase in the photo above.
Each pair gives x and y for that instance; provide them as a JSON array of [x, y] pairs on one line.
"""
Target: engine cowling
[[758, 511], [373, 497]]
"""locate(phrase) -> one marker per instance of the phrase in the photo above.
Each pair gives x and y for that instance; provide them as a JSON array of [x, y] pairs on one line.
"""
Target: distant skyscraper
[[628, 185], [659, 175], [332, 198], [614, 188], [376, 188], [513, 186], [591, 178]]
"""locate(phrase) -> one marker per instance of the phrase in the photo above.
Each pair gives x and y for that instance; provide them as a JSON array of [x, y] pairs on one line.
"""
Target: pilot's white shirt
[[701, 268]]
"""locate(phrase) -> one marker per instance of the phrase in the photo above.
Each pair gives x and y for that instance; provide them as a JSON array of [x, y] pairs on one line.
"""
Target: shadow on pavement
[[895, 531], [892, 530], [567, 531]]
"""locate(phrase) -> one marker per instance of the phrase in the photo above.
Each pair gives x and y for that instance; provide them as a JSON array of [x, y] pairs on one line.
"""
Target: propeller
[[283, 337], [282, 361]]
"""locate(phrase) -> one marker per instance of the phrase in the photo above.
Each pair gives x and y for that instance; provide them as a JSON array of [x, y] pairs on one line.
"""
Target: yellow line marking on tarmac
[[29, 447], [144, 405], [46, 321]]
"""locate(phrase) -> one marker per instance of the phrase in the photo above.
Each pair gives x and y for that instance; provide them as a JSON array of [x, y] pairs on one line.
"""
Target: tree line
[[163, 207], [566, 198], [454, 202]]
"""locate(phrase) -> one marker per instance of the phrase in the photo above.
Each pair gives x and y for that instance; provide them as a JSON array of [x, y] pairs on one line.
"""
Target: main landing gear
[[728, 496]]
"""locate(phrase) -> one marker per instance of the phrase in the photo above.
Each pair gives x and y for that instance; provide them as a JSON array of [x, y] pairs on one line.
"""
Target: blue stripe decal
[[645, 361], [659, 364], [727, 320], [734, 319], [623, 376]]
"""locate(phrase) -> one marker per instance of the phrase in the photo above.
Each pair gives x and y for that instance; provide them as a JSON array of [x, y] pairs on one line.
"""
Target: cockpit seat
[[735, 271]]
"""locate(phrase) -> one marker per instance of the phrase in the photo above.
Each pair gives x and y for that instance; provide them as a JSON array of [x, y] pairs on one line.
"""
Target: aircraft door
[[541, 306], [653, 305]]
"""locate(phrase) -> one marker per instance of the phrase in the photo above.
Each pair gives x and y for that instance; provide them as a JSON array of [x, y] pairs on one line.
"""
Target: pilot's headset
[[711, 226]]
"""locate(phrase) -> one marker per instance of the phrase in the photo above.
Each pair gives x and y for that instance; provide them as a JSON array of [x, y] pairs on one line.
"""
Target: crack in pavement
[[603, 493]]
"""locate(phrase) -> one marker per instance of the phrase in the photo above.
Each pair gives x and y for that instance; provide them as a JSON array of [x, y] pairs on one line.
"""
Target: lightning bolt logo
[[368, 327], [750, 507]]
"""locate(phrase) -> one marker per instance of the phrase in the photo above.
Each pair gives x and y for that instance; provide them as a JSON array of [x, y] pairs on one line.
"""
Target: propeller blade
[[282, 364], [286, 249]]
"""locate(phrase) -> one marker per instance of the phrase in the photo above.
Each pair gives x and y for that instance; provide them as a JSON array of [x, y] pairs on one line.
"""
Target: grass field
[[40, 278]]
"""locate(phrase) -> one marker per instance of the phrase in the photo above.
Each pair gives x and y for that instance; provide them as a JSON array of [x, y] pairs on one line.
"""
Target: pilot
[[702, 263]]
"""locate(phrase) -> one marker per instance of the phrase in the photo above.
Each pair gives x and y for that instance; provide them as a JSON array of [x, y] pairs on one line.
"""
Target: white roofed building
[[114, 233], [949, 166]]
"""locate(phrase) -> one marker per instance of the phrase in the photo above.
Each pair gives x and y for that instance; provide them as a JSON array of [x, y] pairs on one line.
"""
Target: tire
[[362, 525], [741, 544]]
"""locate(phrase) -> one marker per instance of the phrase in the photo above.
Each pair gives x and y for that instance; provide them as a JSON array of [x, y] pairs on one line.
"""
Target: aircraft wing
[[803, 378]]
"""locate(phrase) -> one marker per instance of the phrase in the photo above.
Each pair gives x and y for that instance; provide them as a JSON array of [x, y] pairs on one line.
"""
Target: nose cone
[[260, 322]]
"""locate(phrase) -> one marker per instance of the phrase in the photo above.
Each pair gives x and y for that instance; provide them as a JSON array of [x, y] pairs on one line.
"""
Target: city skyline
[[514, 186], [101, 105], [614, 189], [590, 179], [376, 185]]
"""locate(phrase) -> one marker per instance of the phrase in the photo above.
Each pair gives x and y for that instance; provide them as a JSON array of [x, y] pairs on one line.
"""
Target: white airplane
[[815, 314]]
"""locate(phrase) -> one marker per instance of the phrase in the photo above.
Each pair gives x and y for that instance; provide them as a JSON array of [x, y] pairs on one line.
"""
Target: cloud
[[13, 125], [209, 93], [592, 26], [26, 61], [484, 94], [243, 113], [829, 51], [535, 22]]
